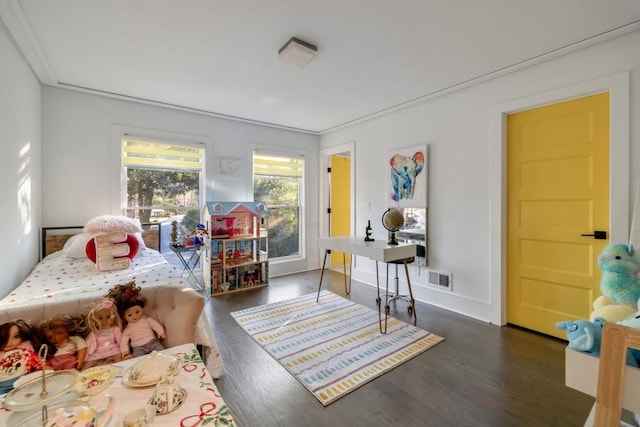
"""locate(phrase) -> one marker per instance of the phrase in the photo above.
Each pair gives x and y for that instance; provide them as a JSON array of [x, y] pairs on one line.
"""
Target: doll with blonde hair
[[104, 333], [67, 350]]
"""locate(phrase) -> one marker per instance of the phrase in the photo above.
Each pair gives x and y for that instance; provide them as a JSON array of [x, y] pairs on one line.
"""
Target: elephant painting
[[404, 171]]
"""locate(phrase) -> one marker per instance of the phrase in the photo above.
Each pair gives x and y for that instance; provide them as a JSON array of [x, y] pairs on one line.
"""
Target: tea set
[[53, 398]]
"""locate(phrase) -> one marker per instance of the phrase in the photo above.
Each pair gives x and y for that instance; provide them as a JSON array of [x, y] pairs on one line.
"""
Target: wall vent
[[440, 280]]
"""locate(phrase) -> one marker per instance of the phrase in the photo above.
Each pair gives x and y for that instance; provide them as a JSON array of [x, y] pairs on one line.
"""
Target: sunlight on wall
[[24, 188]]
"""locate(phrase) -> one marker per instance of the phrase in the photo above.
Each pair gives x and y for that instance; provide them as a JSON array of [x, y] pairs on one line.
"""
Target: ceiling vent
[[298, 52]]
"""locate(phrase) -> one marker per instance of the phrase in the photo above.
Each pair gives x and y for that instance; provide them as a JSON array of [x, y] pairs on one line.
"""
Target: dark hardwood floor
[[481, 375]]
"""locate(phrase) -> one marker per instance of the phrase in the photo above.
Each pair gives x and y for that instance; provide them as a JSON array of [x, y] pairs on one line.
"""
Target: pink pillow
[[111, 223]]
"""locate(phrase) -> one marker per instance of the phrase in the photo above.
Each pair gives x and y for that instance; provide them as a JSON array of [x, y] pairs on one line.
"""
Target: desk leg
[[383, 329], [324, 262], [347, 287], [411, 300]]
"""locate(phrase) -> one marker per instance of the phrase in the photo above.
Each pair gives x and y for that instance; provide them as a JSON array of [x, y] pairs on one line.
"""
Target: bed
[[63, 283]]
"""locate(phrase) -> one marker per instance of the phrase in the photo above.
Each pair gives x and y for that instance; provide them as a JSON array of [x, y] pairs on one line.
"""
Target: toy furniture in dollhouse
[[235, 258]]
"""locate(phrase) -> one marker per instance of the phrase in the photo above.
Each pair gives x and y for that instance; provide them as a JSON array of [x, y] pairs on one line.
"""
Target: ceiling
[[220, 57]]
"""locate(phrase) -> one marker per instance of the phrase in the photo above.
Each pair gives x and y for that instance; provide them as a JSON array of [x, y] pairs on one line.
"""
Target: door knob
[[600, 235]]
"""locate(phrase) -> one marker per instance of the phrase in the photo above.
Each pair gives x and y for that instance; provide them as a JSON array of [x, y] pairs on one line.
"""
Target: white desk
[[378, 251]]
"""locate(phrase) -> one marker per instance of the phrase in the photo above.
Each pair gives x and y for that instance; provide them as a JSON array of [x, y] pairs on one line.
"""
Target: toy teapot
[[168, 396]]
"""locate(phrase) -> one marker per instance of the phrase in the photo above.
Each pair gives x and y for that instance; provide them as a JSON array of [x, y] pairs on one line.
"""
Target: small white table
[[378, 251], [204, 404]]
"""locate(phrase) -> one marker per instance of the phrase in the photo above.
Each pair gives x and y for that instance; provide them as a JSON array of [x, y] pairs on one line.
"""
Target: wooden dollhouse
[[235, 257]]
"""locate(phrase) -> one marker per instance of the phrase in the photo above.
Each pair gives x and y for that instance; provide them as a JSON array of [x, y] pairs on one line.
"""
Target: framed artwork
[[229, 166], [407, 177]]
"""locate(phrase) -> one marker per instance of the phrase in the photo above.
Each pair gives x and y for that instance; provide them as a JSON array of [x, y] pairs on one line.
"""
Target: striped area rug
[[334, 346]]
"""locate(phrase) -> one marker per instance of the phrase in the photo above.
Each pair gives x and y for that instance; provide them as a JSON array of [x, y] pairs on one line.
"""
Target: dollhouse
[[235, 257]]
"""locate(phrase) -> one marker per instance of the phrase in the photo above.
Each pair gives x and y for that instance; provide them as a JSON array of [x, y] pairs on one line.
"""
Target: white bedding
[[61, 278], [59, 284]]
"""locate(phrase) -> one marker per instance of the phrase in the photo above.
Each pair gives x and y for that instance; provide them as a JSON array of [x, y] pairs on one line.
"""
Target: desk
[[203, 406], [190, 263], [378, 251]]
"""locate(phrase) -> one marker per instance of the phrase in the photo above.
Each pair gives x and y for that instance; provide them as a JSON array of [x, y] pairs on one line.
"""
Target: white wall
[[462, 205], [81, 148], [20, 156]]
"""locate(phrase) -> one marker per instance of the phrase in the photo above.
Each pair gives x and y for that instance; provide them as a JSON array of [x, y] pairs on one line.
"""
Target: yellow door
[[557, 190], [340, 199]]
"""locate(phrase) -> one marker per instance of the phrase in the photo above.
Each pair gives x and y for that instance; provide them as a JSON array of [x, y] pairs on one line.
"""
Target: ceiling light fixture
[[298, 52]]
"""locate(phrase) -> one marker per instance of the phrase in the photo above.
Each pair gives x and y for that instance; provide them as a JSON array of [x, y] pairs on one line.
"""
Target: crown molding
[[13, 17]]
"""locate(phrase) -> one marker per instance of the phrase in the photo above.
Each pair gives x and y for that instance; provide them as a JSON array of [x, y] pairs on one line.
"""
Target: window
[[278, 182], [161, 180]]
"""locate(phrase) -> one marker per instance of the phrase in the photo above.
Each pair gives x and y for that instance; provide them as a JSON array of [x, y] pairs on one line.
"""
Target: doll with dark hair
[[144, 333], [17, 353], [67, 350]]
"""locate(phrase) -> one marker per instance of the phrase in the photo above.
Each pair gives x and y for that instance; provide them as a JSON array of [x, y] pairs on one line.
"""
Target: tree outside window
[[277, 181], [162, 181]]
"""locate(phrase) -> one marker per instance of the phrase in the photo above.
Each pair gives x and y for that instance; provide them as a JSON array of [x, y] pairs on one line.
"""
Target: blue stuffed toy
[[620, 281], [586, 336]]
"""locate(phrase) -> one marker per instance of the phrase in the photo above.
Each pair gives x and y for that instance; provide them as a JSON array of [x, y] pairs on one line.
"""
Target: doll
[[16, 352], [143, 332], [67, 350], [104, 328]]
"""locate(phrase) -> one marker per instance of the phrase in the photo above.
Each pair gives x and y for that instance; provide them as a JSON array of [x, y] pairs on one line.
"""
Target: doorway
[[339, 202], [337, 195], [618, 87], [557, 198]]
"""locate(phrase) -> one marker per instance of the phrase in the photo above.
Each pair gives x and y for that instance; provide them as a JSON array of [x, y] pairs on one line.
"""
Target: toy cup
[[167, 396], [139, 417]]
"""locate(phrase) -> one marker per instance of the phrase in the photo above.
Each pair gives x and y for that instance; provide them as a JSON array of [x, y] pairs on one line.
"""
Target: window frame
[[159, 138], [301, 198]]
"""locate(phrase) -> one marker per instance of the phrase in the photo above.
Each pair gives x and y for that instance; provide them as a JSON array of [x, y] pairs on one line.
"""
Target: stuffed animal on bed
[[620, 266], [586, 336]]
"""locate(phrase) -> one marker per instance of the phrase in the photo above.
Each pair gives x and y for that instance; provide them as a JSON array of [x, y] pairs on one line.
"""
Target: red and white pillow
[[110, 241]]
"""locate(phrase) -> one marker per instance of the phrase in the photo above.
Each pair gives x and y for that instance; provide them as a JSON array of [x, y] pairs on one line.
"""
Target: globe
[[392, 220]]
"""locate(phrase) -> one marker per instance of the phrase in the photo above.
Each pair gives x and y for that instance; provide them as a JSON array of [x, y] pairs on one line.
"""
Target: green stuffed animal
[[620, 266]]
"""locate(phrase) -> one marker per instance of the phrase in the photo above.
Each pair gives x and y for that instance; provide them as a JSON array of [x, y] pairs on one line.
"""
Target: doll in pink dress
[[104, 328], [67, 349], [142, 332]]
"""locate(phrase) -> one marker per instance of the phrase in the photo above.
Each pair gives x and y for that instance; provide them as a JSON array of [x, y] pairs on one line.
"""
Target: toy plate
[[95, 380], [28, 395], [151, 369]]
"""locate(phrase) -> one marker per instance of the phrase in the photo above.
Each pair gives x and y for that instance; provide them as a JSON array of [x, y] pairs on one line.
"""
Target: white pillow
[[75, 246]]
